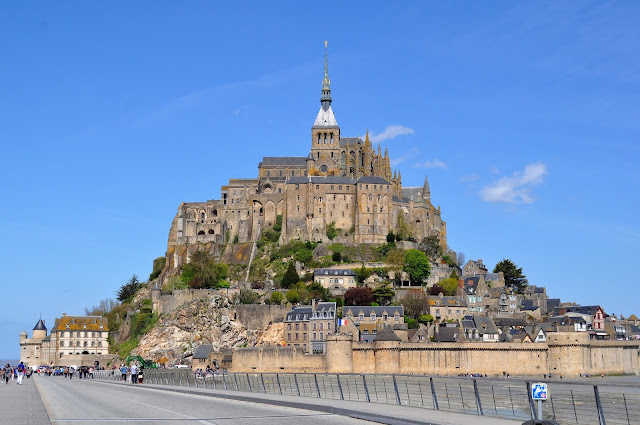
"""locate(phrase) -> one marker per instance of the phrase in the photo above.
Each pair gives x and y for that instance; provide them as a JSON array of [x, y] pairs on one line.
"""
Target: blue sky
[[524, 115]]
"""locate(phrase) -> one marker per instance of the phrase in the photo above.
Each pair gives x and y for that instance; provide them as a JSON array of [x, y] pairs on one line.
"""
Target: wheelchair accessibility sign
[[539, 391]]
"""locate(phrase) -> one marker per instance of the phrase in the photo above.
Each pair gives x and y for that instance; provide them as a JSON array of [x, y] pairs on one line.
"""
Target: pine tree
[[290, 277]]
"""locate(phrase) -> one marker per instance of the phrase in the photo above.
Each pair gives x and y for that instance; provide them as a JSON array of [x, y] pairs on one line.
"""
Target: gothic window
[[325, 138], [331, 135], [318, 138], [370, 197], [292, 173], [318, 154], [215, 213], [210, 231], [331, 154], [201, 232], [343, 160], [202, 216]]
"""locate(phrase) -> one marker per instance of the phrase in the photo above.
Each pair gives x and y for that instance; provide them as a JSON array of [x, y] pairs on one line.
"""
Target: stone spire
[[325, 116], [326, 82], [426, 192]]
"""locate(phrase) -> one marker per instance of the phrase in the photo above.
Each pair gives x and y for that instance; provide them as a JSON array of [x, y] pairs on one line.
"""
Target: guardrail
[[510, 400]]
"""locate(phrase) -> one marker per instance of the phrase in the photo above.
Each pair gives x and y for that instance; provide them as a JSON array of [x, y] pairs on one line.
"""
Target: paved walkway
[[21, 404], [381, 413]]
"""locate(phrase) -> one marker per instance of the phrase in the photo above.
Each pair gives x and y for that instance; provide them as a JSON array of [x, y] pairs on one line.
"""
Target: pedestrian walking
[[134, 373], [123, 371], [20, 373], [7, 372]]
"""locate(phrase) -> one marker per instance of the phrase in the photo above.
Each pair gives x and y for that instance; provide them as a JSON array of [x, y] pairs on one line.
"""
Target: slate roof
[[378, 310], [321, 180], [446, 334], [387, 335], [326, 306], [299, 161], [40, 326], [509, 321], [334, 272], [582, 309], [202, 352], [414, 193], [493, 277], [372, 179], [445, 301], [301, 313], [352, 141], [485, 325], [82, 323], [553, 303]]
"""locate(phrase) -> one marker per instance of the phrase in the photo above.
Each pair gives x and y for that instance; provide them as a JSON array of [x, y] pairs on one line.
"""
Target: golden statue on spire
[[326, 43]]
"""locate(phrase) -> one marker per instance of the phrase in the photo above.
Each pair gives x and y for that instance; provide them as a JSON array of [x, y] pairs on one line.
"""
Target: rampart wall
[[258, 316], [565, 354]]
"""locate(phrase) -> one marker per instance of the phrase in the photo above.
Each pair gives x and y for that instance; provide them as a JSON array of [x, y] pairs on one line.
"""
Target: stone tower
[[40, 330], [325, 133]]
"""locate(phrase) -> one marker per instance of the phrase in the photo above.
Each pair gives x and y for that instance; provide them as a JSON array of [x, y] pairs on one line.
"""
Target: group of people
[[135, 373], [16, 373]]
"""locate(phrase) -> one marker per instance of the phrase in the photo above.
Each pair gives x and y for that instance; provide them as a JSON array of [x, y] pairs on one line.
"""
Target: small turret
[[40, 330], [426, 192]]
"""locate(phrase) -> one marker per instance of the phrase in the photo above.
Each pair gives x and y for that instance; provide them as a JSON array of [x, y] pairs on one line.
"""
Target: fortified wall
[[569, 354]]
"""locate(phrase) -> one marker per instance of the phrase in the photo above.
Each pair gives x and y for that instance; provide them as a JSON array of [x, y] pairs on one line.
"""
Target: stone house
[[445, 308], [474, 268], [372, 319], [479, 329], [333, 278], [593, 314], [307, 327]]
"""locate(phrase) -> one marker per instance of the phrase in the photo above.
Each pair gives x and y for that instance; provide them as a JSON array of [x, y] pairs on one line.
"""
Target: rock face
[[209, 321]]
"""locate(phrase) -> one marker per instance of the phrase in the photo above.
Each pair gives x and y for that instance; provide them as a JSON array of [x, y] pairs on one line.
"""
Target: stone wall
[[257, 317], [171, 301], [566, 353]]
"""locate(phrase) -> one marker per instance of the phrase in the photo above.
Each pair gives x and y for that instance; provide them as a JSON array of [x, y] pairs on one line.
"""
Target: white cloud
[[436, 163], [412, 153], [470, 178], [391, 132], [517, 188]]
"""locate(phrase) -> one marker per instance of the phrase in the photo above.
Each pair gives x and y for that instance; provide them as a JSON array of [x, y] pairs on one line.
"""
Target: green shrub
[[276, 297], [158, 266], [293, 296]]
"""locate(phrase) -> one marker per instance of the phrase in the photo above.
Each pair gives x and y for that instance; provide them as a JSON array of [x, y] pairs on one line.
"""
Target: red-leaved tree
[[358, 296]]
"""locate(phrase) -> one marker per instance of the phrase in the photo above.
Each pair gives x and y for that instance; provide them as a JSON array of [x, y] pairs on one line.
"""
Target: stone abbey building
[[343, 183]]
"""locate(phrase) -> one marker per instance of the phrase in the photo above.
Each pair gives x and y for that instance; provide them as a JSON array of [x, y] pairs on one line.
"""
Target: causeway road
[[84, 402]]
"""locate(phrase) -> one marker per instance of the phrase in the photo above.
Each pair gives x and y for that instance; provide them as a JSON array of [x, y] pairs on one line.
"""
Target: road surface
[[80, 402]]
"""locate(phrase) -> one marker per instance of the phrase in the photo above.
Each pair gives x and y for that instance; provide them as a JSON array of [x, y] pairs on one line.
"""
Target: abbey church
[[344, 184]]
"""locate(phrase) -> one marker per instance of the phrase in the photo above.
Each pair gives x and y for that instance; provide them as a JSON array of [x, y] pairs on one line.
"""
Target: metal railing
[[477, 396]]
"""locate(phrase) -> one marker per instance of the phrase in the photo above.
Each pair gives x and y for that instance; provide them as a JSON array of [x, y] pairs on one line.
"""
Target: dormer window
[[67, 326]]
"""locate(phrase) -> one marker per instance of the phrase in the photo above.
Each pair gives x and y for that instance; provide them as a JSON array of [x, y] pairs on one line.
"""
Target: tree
[[431, 246], [460, 259], [390, 236], [203, 271], [104, 307], [417, 266], [276, 297], [129, 289], [290, 277], [449, 286], [414, 303], [293, 296], [318, 292], [332, 231], [513, 276], [336, 256], [358, 296], [425, 319], [247, 296], [383, 294]]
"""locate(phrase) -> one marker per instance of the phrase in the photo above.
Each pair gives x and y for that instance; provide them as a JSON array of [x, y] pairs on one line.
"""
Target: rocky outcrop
[[209, 320]]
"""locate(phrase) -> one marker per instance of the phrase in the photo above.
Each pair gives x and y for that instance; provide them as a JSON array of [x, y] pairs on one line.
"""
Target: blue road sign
[[539, 391]]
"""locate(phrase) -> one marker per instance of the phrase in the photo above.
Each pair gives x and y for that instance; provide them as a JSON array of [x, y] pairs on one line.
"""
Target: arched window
[[211, 232], [343, 160], [202, 215], [201, 232], [215, 213], [319, 138], [331, 135], [325, 138]]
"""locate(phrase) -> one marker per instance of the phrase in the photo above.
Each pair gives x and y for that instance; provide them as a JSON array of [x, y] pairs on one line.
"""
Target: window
[[317, 187]]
